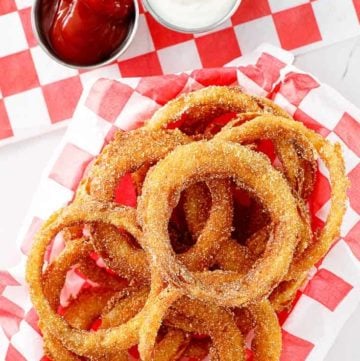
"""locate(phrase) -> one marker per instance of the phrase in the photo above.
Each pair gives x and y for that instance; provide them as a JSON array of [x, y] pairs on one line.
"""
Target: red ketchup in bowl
[[86, 32]]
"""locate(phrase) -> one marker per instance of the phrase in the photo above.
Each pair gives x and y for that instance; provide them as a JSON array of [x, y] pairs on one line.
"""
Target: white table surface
[[21, 165]]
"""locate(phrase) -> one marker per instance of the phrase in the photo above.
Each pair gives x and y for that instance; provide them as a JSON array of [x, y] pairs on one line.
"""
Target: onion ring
[[332, 157], [127, 153], [267, 341], [217, 322], [209, 103], [119, 254], [73, 252], [84, 309], [299, 171], [296, 155], [92, 344], [216, 230], [204, 318], [220, 239], [152, 322], [121, 154], [218, 160]]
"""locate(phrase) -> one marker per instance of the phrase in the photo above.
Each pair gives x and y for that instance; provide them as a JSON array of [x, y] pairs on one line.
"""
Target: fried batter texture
[[218, 241]]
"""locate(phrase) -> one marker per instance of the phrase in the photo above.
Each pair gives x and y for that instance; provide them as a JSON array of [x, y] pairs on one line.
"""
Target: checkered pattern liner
[[37, 94], [332, 292]]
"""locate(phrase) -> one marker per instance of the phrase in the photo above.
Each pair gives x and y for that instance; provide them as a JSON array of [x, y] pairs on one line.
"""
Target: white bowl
[[190, 30]]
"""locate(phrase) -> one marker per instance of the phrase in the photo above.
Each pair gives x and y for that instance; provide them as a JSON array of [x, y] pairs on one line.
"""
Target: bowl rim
[[35, 24], [186, 30]]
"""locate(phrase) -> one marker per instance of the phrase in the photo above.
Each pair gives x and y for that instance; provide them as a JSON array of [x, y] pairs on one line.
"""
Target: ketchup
[[85, 32]]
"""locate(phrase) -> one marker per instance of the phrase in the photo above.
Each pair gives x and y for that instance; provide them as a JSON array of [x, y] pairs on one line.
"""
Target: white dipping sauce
[[192, 14]]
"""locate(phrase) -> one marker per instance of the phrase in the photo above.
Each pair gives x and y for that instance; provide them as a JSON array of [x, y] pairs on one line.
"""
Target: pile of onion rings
[[220, 240]]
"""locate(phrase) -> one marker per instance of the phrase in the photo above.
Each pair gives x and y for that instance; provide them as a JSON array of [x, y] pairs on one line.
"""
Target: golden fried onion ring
[[218, 159], [223, 285], [93, 344], [208, 103], [267, 126]]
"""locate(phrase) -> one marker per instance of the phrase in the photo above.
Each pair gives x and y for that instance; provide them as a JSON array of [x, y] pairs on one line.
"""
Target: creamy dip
[[192, 14]]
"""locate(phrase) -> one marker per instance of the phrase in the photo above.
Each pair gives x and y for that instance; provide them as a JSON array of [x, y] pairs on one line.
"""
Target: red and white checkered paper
[[332, 293], [38, 95]]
